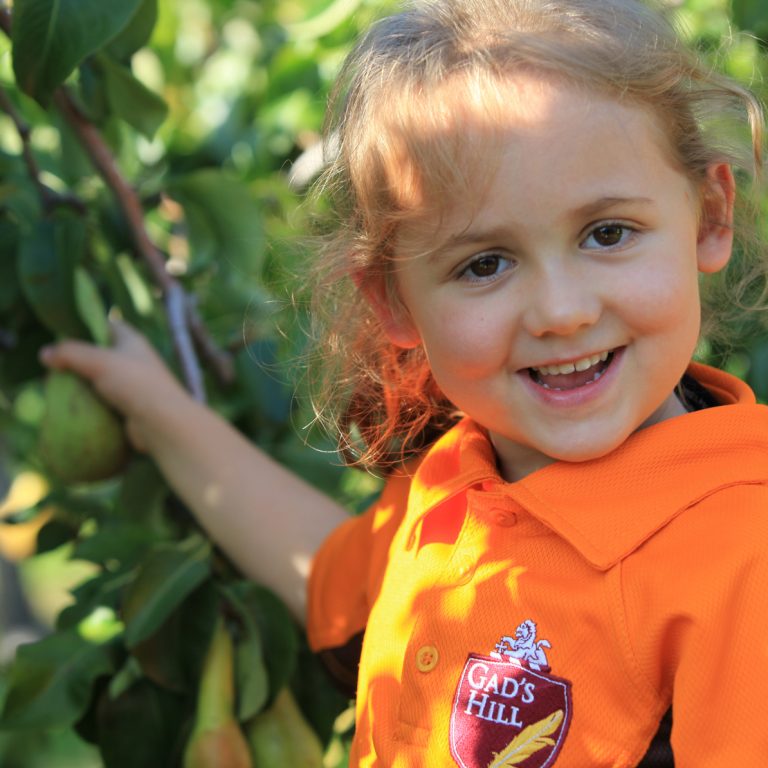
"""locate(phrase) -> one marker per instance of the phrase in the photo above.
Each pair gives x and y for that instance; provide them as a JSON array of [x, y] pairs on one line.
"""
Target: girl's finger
[[86, 359]]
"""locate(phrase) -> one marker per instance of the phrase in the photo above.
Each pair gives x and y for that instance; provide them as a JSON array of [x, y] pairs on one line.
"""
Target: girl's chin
[[517, 460]]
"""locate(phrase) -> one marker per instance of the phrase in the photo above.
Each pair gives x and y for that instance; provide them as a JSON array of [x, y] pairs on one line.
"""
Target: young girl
[[528, 192]]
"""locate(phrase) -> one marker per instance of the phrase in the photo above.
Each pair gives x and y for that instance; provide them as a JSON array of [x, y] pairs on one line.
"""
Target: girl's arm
[[267, 520]]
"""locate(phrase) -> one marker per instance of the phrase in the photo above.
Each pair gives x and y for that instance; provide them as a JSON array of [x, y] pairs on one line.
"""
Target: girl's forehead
[[446, 150], [468, 114], [493, 103]]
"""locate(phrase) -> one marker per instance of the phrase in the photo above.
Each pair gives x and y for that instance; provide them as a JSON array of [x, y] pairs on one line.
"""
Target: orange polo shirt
[[552, 621]]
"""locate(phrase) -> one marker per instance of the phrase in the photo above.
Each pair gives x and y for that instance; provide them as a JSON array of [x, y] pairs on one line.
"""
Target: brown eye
[[485, 266], [609, 234]]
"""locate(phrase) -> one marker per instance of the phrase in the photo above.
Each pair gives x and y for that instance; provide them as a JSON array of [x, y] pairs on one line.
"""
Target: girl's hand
[[268, 520], [129, 375]]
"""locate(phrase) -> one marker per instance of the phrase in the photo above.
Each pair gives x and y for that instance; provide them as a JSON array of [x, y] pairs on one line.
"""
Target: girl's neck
[[517, 461]]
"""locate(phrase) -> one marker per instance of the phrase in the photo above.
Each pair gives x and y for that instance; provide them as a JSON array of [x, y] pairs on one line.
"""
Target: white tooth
[[583, 364]]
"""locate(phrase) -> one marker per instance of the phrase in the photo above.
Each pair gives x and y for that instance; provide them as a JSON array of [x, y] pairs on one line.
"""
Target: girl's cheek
[[467, 345], [658, 294]]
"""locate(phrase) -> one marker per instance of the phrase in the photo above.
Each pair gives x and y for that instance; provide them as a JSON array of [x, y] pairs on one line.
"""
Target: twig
[[103, 160], [184, 324], [49, 198], [180, 321], [219, 360], [175, 308]]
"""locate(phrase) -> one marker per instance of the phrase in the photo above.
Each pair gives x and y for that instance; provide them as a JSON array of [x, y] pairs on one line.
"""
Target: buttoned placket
[[429, 650]]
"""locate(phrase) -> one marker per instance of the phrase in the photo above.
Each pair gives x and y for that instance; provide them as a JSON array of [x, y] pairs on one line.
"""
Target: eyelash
[[465, 273], [626, 232]]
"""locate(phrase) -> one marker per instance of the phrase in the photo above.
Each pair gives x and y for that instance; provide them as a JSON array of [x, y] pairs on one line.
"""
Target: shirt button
[[505, 518], [465, 569], [426, 658]]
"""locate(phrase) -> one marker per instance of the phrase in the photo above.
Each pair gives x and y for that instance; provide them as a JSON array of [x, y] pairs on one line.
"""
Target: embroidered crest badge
[[508, 709]]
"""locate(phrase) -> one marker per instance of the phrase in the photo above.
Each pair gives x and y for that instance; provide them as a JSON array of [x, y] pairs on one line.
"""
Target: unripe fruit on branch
[[281, 736], [81, 438], [216, 740]]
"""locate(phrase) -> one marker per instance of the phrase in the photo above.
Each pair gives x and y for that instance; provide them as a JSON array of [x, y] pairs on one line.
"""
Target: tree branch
[[184, 323], [49, 198]]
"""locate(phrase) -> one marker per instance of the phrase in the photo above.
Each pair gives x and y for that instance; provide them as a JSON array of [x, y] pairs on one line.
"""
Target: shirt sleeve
[[347, 570], [701, 629]]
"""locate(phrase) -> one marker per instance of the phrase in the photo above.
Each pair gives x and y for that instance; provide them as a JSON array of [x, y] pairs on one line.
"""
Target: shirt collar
[[609, 506]]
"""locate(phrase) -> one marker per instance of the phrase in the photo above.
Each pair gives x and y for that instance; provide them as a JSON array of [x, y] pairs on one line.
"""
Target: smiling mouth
[[574, 374]]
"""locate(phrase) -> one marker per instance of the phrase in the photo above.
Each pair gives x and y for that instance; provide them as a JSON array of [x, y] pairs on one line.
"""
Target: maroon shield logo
[[505, 714]]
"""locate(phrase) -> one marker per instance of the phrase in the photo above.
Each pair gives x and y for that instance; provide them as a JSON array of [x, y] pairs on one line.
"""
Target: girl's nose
[[561, 302]]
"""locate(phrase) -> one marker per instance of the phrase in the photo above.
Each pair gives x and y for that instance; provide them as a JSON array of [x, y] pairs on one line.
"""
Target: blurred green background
[[205, 111]]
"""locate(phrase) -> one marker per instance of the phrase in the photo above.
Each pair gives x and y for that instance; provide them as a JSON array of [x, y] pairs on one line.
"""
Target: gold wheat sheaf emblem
[[529, 741]]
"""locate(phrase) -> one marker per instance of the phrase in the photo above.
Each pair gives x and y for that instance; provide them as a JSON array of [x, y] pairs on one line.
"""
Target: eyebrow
[[609, 201], [592, 208]]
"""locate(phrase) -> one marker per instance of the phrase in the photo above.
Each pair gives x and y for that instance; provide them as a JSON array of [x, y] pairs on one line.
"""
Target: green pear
[[216, 740], [279, 735], [81, 438]]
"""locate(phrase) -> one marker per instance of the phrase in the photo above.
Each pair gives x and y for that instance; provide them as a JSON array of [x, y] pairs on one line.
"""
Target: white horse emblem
[[524, 647]]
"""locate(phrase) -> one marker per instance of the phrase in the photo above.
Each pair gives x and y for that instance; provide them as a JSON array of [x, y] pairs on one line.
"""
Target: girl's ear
[[394, 317], [716, 228]]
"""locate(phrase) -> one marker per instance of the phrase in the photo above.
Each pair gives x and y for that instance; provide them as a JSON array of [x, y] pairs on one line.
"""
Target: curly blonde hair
[[396, 151]]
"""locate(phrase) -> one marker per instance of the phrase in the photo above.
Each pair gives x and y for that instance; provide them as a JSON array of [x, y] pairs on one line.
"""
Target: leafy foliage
[[51, 37], [191, 117], [198, 108]]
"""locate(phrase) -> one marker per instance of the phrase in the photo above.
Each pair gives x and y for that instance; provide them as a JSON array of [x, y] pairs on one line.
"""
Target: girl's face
[[561, 307]]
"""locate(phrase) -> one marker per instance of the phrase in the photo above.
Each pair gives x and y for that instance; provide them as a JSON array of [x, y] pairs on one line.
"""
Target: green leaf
[[320, 701], [131, 100], [19, 364], [75, 507], [54, 534], [47, 259], [316, 463], [90, 307], [74, 164], [758, 370], [173, 656], [265, 383], [141, 727], [143, 492], [263, 614], [228, 212], [252, 678], [105, 589], [50, 681], [751, 16], [164, 579], [116, 541], [138, 295], [137, 33], [10, 290], [51, 37], [332, 15], [92, 92], [19, 197]]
